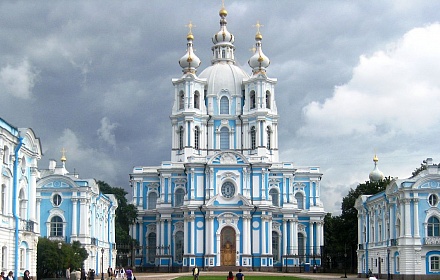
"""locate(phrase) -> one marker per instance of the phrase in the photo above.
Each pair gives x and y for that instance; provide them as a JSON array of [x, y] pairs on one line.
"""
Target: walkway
[[170, 276]]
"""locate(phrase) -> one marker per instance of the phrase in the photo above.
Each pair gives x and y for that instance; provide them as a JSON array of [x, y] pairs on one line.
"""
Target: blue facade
[[224, 199], [399, 229], [72, 209]]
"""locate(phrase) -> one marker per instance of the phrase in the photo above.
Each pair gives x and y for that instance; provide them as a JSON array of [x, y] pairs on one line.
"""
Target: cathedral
[[224, 198]]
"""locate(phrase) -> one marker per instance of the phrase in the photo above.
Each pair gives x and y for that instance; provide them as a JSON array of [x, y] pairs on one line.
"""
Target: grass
[[246, 277]]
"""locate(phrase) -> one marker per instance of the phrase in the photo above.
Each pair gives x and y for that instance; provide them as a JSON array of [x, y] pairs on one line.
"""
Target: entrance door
[[227, 243]]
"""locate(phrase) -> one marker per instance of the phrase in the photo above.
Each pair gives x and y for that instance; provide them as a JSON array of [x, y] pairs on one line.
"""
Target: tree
[[125, 213], [52, 260]]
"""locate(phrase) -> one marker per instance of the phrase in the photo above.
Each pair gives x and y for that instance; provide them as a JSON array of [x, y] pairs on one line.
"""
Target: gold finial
[[190, 27], [375, 158], [63, 157], [223, 11], [258, 36]]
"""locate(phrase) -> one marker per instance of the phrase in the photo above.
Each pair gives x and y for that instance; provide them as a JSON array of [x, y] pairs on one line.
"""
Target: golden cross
[[190, 26], [253, 49], [258, 25], [63, 151], [223, 3]]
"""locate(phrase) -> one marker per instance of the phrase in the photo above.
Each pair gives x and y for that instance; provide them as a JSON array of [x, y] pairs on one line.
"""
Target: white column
[[295, 237], [270, 236], [285, 237], [416, 216], [185, 239], [37, 229], [169, 235], [33, 194], [292, 237], [263, 235], [312, 241], [318, 236], [74, 216], [407, 217], [193, 229], [392, 222]]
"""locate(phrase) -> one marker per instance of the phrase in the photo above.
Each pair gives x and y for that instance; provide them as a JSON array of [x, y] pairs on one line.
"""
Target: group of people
[[238, 276], [120, 273], [10, 275]]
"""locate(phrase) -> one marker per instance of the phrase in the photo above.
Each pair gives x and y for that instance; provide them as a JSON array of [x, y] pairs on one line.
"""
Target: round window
[[433, 199], [228, 189], [56, 200]]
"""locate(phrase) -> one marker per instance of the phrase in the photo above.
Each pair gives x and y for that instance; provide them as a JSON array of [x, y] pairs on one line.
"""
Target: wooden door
[[227, 243]]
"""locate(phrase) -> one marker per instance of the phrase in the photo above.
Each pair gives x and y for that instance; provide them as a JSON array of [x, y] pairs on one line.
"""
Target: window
[[152, 199], [151, 247], [301, 246], [4, 256], [22, 202], [197, 100], [224, 138], [299, 200], [56, 226], [56, 200], [275, 198], [6, 155], [22, 258], [224, 105], [433, 226], [269, 134], [179, 246], [253, 138], [253, 99], [223, 54], [196, 138], [228, 189], [432, 199], [181, 100], [275, 246], [179, 196], [268, 99], [3, 200], [181, 138], [435, 263]]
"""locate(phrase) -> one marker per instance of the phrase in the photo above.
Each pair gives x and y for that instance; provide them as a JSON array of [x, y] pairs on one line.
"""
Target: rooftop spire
[[189, 62], [259, 61]]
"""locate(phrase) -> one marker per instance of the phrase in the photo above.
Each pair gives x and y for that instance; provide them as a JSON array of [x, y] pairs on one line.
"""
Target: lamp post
[[59, 252], [102, 263], [388, 263]]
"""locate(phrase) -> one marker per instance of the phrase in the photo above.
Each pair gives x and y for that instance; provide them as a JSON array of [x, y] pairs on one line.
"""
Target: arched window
[[152, 199], [179, 246], [301, 246], [224, 138], [224, 105], [268, 99], [181, 138], [181, 100], [269, 135], [253, 138], [151, 247], [434, 263], [196, 138], [253, 99], [433, 226], [178, 197], [3, 199], [196, 100], [275, 197], [275, 246], [56, 226], [299, 200], [5, 155], [22, 202]]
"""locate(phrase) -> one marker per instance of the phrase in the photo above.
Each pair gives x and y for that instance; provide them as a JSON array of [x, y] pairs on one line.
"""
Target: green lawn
[[246, 277]]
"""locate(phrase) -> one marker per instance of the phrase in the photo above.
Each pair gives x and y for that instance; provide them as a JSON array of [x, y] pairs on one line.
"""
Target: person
[[2, 276], [129, 273], [122, 272], [26, 275], [83, 274], [230, 276], [68, 273], [239, 275], [196, 273], [109, 272], [370, 273], [10, 275], [315, 268]]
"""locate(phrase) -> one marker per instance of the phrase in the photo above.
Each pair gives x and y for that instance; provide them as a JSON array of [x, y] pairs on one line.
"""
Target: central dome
[[224, 76]]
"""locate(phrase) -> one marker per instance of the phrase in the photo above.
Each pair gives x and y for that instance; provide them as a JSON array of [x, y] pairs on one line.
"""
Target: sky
[[355, 78]]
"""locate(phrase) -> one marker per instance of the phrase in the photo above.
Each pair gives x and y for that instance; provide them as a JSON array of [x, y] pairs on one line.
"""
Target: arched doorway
[[227, 243]]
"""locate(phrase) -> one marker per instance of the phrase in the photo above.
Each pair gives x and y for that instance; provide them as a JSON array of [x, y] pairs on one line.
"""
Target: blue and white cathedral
[[224, 198]]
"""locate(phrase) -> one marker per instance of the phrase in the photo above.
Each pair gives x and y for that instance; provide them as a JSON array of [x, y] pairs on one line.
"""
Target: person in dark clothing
[[26, 275], [196, 273], [83, 274], [239, 275]]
